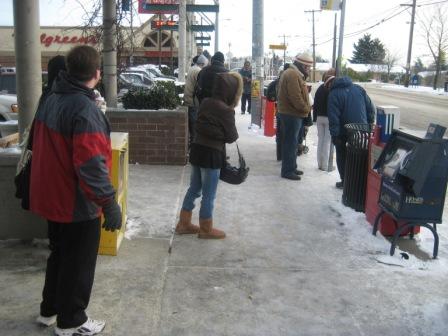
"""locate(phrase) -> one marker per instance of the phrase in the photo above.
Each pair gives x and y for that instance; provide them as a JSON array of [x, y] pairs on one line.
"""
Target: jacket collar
[[294, 67]]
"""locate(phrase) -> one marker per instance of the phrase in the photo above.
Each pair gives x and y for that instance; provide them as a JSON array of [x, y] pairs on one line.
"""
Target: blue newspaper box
[[388, 118]]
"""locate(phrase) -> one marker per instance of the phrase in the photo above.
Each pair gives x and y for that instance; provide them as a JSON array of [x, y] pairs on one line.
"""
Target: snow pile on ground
[[421, 89]]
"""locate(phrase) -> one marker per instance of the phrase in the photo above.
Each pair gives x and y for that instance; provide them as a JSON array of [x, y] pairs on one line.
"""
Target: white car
[[8, 107]]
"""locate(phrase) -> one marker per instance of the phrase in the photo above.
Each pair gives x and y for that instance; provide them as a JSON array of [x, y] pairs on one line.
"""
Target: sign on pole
[[330, 5], [277, 46], [158, 6]]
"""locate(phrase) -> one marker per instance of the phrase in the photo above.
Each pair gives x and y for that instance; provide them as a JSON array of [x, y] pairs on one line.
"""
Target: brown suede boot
[[207, 231], [184, 225]]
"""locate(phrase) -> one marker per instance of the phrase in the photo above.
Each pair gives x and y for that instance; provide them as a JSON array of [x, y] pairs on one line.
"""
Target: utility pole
[[159, 41], [110, 51], [28, 60], [341, 39], [284, 50], [335, 33], [411, 34], [182, 39], [314, 43], [257, 56]]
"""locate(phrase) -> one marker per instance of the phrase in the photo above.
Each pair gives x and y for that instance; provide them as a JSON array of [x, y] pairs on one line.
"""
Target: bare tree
[[390, 60], [93, 25], [435, 31]]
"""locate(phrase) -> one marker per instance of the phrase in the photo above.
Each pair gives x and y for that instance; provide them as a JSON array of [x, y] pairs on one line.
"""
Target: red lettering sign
[[48, 40]]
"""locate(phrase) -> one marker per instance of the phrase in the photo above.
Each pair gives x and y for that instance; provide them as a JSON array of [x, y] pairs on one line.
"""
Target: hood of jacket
[[342, 82], [228, 88], [65, 84]]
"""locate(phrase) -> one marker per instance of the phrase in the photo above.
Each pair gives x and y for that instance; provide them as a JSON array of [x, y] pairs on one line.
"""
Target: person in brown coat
[[215, 127], [293, 105]]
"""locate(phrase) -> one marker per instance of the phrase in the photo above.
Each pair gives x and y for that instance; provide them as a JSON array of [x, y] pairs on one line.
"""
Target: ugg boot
[[184, 225], [206, 230]]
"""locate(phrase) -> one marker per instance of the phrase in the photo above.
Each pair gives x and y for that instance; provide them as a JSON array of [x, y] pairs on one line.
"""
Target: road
[[417, 109]]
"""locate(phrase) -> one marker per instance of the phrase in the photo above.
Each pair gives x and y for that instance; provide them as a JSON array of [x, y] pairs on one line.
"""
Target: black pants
[[192, 116], [341, 154], [245, 98], [70, 271]]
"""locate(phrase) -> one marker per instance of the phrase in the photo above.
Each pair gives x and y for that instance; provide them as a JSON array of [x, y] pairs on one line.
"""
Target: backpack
[[271, 93]]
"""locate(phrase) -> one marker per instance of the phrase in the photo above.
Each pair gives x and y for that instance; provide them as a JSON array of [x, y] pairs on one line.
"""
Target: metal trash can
[[356, 164]]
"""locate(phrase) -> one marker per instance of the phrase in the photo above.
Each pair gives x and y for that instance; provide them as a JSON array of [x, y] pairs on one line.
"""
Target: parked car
[[138, 78], [124, 85]]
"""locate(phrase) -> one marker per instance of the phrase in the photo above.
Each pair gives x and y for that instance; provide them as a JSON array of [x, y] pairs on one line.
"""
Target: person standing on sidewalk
[[347, 103], [293, 106], [320, 117], [246, 74], [69, 187], [206, 76], [192, 77], [215, 127]]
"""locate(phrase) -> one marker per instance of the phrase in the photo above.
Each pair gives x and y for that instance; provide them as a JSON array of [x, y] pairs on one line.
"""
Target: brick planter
[[155, 136]]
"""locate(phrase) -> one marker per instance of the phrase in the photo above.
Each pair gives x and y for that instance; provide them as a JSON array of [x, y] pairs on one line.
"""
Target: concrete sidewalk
[[295, 262]]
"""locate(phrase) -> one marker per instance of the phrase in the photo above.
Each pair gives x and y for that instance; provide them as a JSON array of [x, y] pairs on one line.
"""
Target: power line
[[432, 3], [368, 28]]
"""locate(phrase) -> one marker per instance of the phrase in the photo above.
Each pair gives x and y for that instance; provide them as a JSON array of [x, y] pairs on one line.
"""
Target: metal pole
[[159, 42], [257, 56], [411, 34], [110, 52], [217, 28], [335, 37], [341, 39], [171, 49], [284, 51], [182, 38], [28, 60]]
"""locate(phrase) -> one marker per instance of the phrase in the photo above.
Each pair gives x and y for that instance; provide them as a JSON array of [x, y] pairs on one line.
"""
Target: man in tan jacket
[[293, 106]]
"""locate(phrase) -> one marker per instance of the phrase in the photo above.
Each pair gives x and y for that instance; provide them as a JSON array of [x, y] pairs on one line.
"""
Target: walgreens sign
[[48, 40]]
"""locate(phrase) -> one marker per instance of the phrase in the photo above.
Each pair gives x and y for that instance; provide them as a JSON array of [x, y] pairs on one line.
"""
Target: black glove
[[337, 141], [112, 216]]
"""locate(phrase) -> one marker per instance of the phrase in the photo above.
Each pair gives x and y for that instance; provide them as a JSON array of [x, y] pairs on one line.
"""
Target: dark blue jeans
[[245, 98], [290, 126]]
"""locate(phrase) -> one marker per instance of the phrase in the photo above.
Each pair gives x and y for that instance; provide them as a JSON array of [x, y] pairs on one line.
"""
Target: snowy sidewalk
[[295, 262]]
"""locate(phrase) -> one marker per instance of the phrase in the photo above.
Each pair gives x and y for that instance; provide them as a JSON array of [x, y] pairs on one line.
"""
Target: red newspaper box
[[269, 118]]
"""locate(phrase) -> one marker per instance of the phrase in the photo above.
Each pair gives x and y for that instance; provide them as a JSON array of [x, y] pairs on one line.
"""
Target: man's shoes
[[340, 185], [46, 321], [89, 328], [298, 172], [291, 176]]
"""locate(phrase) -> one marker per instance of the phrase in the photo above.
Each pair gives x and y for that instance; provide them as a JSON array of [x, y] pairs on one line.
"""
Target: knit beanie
[[304, 59], [202, 60], [218, 56]]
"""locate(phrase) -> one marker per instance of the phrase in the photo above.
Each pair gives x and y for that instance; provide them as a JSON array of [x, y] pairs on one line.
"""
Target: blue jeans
[[290, 126], [203, 180]]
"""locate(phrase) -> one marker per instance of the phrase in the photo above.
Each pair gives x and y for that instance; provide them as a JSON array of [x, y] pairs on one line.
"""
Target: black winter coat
[[206, 79]]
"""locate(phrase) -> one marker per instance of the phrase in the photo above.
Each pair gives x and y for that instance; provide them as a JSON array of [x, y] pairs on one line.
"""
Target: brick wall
[[155, 137]]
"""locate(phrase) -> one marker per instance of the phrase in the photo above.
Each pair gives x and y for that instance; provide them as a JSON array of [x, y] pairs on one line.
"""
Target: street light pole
[[182, 39], [110, 52], [341, 39], [411, 34], [257, 56], [28, 60]]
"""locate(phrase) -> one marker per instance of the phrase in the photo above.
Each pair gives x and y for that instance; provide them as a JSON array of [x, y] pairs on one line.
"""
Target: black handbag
[[22, 179], [235, 175]]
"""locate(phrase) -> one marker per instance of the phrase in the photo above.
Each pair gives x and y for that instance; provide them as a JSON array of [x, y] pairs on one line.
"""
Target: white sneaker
[[89, 328], [46, 321]]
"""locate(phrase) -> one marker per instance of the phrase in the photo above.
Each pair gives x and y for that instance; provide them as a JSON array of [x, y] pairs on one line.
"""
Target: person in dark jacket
[[246, 74], [347, 103], [206, 76], [215, 127], [320, 117], [69, 187]]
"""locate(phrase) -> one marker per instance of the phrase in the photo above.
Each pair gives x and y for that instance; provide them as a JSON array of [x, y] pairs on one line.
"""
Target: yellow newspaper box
[[110, 241]]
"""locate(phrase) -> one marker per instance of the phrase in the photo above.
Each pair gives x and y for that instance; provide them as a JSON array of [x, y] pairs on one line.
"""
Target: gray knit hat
[[202, 60]]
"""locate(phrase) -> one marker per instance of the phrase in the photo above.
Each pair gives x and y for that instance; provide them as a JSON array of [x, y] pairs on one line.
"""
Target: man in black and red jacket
[[70, 187]]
